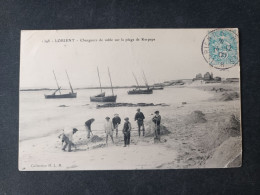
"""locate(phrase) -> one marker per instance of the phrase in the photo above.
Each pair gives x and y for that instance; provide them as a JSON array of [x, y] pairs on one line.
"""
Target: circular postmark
[[220, 48]]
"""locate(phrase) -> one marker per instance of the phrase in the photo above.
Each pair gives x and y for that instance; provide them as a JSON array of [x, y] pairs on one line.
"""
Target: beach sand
[[195, 135]]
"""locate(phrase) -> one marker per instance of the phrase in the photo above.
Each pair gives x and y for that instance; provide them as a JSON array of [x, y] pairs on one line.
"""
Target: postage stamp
[[220, 48]]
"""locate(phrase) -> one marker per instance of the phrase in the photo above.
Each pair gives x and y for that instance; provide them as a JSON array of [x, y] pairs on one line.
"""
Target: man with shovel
[[67, 137], [139, 117], [88, 126], [157, 121], [126, 132]]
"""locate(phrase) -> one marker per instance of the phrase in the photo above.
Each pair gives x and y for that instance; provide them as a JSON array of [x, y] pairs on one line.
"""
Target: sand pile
[[226, 154], [149, 131], [223, 142], [229, 96], [95, 139], [85, 141], [196, 116], [81, 141], [230, 127], [63, 106], [223, 130], [233, 125]]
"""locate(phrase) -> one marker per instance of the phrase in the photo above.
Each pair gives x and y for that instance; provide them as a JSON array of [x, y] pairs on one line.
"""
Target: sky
[[170, 54]]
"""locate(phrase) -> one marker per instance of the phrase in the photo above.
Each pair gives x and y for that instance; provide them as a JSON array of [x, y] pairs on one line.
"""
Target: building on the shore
[[199, 76], [208, 76]]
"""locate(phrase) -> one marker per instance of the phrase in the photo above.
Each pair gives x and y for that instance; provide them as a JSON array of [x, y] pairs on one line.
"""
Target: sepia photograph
[[129, 99]]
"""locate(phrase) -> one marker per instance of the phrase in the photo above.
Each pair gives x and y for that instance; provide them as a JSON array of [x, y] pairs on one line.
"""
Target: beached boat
[[102, 97], [53, 96], [67, 95], [138, 90], [157, 88], [111, 98]]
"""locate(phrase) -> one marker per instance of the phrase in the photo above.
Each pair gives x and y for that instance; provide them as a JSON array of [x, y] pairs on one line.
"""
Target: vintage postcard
[[126, 99]]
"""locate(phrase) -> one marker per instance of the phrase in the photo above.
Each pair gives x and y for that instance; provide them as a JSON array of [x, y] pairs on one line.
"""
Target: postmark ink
[[220, 48]]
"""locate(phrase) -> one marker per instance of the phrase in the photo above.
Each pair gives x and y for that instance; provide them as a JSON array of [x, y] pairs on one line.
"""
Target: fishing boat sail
[[101, 97], [68, 95], [138, 90]]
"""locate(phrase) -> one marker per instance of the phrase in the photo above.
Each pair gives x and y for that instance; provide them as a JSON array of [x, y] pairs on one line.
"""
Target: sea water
[[41, 117]]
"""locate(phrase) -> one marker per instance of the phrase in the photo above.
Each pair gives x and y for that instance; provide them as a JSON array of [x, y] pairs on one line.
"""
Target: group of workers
[[111, 125]]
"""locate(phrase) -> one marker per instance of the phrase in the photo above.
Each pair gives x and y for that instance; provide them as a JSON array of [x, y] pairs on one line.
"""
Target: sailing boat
[[138, 90], [101, 97], [68, 95], [102, 94]]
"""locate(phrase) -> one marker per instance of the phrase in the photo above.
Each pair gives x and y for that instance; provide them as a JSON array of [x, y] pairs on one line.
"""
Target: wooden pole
[[145, 80], [110, 81], [56, 81], [136, 80], [99, 80], [69, 82]]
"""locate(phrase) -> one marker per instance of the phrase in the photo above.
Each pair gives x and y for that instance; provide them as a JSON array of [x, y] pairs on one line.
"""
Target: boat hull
[[101, 95], [103, 99], [140, 91], [69, 95]]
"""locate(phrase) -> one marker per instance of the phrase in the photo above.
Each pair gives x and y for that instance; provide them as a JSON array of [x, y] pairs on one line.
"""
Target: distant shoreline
[[173, 83], [80, 88]]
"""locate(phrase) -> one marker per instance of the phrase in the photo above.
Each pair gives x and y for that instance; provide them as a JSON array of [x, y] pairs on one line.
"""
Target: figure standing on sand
[[67, 137], [88, 126], [157, 121], [139, 116], [126, 131], [116, 121], [108, 129]]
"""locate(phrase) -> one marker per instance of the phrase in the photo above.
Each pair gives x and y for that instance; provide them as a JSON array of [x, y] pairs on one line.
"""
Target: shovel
[[156, 139]]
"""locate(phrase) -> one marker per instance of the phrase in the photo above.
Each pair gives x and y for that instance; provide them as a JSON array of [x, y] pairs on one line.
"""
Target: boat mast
[[99, 80], [69, 82], [145, 80], [110, 81], [136, 80], [56, 82]]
